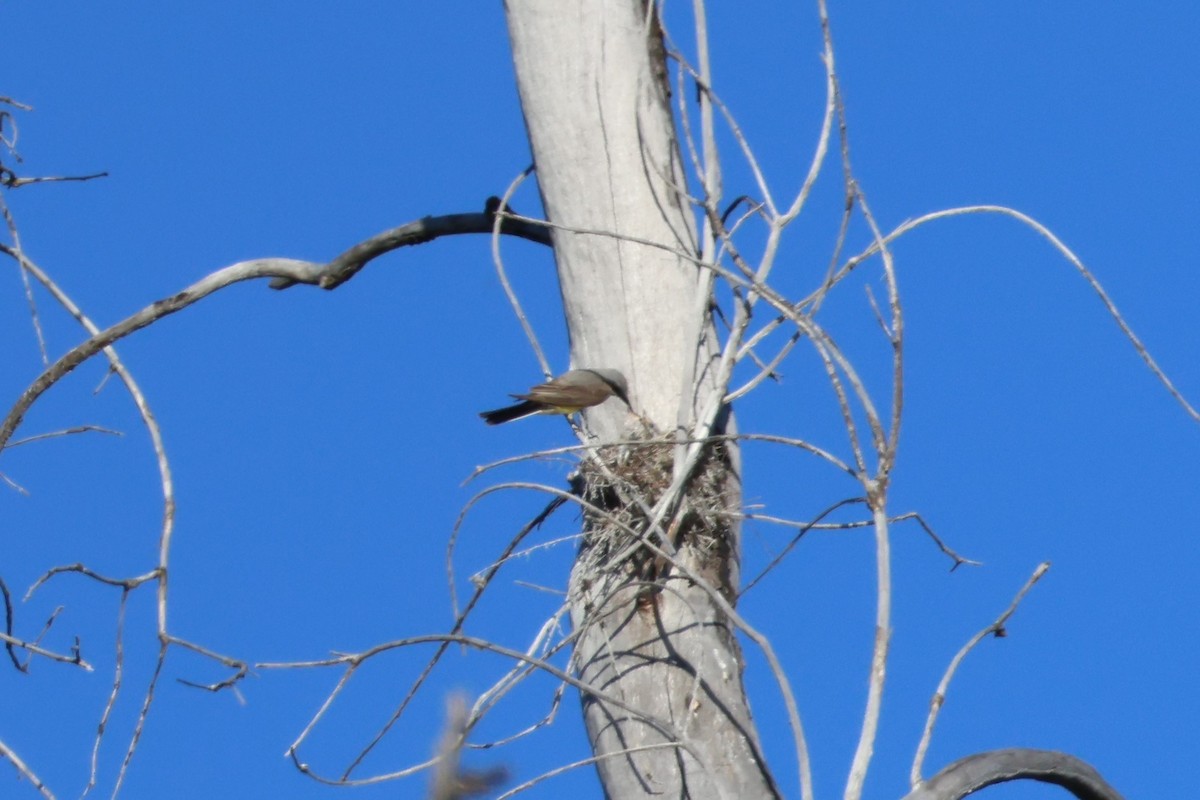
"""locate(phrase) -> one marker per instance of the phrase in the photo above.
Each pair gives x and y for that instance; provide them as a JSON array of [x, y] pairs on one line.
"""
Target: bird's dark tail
[[509, 413]]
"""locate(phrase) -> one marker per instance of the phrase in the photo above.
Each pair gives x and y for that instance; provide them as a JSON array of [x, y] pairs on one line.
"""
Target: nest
[[622, 484]]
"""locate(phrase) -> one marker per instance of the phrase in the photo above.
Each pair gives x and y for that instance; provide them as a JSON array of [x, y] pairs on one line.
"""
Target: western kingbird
[[566, 394]]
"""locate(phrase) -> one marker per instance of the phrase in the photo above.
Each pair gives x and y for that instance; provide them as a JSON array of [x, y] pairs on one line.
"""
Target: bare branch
[[501, 218], [804, 528], [8, 101], [140, 726], [30, 300], [118, 677], [879, 654], [939, 696], [65, 432], [352, 661], [460, 620], [11, 180], [25, 771], [240, 668], [74, 658], [124, 583], [426, 229], [997, 766], [285, 272], [1142, 351], [246, 270], [143, 407], [8, 625], [945, 548]]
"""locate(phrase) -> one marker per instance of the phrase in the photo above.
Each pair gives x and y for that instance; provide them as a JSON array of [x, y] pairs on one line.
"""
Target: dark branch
[[284, 272], [12, 180], [975, 772], [8, 626], [345, 266]]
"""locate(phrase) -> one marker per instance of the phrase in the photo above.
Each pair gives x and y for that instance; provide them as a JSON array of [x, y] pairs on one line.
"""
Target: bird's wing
[[566, 395]]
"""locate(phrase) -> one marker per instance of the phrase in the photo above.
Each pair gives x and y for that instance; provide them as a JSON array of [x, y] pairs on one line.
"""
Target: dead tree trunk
[[670, 717]]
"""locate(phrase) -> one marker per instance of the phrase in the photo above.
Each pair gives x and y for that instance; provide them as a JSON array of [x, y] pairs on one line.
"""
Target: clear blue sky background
[[320, 440]]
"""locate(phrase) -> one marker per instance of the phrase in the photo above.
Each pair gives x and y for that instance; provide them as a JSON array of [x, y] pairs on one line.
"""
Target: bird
[[570, 392]]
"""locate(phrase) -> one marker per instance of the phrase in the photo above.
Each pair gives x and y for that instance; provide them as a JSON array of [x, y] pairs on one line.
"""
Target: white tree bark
[[603, 143], [591, 77]]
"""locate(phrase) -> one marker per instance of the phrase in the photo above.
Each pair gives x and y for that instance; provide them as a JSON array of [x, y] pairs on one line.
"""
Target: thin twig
[[945, 548], [26, 773], [502, 218], [8, 625], [352, 661], [13, 181], [30, 300], [64, 432], [804, 528], [996, 629], [1126, 330], [143, 714], [124, 583], [118, 677], [73, 658], [458, 624]]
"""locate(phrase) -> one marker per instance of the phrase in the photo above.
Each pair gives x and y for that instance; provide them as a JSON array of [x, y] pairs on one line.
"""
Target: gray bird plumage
[[566, 394]]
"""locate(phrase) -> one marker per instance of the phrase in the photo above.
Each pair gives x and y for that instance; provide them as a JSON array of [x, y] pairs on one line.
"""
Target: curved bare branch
[[978, 771], [426, 229]]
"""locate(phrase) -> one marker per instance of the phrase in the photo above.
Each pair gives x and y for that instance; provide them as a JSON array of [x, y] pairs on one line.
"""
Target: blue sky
[[320, 441]]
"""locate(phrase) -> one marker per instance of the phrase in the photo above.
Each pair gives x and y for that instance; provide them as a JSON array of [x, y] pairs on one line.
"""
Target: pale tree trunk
[[654, 641]]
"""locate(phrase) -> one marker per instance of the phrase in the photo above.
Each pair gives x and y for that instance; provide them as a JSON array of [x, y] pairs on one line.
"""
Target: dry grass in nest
[[626, 480]]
